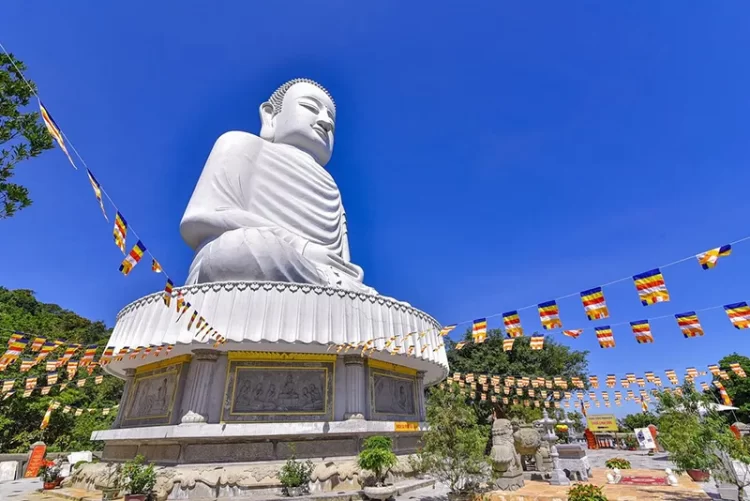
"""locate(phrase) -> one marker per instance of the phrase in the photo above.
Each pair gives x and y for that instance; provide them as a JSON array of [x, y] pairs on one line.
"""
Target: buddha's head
[[301, 113]]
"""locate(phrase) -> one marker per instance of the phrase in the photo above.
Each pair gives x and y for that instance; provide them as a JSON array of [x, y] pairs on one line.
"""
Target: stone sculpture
[[506, 462], [265, 208]]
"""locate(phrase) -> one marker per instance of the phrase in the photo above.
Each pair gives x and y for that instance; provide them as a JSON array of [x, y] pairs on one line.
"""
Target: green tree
[[640, 420], [20, 418], [454, 446], [554, 360], [738, 388], [22, 134], [697, 437]]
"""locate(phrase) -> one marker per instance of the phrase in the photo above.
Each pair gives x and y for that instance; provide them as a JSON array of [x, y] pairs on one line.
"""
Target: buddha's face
[[306, 121]]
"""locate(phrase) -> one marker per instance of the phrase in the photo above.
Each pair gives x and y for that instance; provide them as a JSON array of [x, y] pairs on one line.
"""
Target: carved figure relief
[[279, 390], [393, 395], [153, 396]]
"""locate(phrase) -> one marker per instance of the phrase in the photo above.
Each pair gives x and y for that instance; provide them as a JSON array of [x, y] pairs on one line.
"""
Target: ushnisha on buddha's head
[[301, 113]]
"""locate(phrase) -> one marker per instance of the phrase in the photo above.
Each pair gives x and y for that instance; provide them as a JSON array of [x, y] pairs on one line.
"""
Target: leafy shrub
[[377, 456], [455, 443], [630, 442], [586, 492], [619, 463], [137, 478], [295, 473]]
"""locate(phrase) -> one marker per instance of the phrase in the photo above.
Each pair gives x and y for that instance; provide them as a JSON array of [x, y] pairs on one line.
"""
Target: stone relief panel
[[392, 396], [152, 397], [279, 391]]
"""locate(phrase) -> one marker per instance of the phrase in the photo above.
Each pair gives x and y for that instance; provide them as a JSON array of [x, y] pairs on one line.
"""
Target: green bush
[[630, 442], [295, 473], [455, 443], [136, 478], [377, 456], [619, 463], [586, 492]]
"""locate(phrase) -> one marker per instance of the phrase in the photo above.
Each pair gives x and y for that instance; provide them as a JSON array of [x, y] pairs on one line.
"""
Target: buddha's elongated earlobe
[[266, 121]]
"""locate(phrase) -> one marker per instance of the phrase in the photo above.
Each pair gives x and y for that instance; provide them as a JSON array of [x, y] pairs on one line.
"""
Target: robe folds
[[267, 212]]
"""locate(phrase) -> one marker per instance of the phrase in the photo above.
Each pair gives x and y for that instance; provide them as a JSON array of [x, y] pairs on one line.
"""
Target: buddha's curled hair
[[277, 98]]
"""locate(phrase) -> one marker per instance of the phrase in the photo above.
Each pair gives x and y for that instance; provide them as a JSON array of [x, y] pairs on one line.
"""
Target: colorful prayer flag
[[479, 330], [155, 266], [512, 323], [508, 344], [45, 390], [574, 333], [537, 342], [594, 381], [135, 255], [30, 383], [739, 314], [97, 192], [72, 368], [167, 296], [642, 331], [52, 377], [81, 383], [37, 344], [55, 132], [46, 418], [26, 365], [8, 385], [594, 304], [605, 336], [8, 395], [710, 258], [549, 314], [120, 231], [88, 355], [737, 369], [446, 329], [651, 287], [689, 324]]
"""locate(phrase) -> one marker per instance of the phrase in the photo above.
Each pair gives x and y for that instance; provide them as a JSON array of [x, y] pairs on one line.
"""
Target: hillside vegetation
[[20, 418]]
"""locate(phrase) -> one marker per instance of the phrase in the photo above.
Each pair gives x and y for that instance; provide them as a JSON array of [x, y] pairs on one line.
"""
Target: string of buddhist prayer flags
[[650, 287], [121, 226], [514, 388], [75, 411], [20, 341], [31, 384]]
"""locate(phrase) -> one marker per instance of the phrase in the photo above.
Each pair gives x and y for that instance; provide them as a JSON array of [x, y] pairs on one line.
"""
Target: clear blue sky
[[489, 158]]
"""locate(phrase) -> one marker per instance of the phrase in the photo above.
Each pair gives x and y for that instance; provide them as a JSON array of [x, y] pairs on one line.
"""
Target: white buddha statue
[[265, 208]]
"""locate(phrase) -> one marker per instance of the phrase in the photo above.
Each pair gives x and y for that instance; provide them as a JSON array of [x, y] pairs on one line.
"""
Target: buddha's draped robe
[[267, 212]]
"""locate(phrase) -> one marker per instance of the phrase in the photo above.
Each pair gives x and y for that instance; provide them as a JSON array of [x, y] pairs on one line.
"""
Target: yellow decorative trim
[[379, 364], [279, 356], [163, 363]]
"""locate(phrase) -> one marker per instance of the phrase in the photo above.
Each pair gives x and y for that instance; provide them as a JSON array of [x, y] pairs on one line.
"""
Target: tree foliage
[[696, 436], [738, 388], [454, 446], [22, 134], [20, 417], [554, 360], [640, 420]]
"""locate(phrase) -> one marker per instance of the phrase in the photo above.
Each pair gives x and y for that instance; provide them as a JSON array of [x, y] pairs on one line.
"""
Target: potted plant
[[586, 492], [630, 442], [295, 476], [50, 474], [619, 463], [377, 456], [137, 479]]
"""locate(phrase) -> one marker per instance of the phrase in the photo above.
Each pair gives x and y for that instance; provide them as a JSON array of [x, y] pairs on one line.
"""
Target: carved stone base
[[250, 442], [240, 481]]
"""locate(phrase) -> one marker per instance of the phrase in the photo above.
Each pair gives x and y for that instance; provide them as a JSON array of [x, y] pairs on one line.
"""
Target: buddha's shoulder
[[236, 139]]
